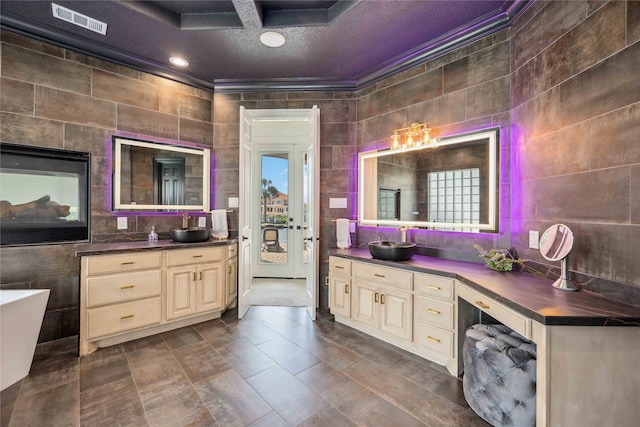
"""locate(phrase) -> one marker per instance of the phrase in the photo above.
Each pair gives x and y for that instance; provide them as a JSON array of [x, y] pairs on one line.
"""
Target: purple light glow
[[440, 236], [515, 165], [109, 187]]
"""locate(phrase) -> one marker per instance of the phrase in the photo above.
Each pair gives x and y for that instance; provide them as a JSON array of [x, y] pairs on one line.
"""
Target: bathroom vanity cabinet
[[587, 347], [132, 290], [231, 283], [195, 281]]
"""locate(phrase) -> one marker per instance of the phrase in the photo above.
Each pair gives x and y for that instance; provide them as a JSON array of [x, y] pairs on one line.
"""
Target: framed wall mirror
[[159, 177], [450, 184]]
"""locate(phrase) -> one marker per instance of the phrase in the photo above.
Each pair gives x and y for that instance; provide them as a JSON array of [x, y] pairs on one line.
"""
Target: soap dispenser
[[153, 236]]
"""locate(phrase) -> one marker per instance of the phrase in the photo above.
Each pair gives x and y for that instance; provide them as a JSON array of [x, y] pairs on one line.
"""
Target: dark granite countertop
[[136, 246], [527, 294]]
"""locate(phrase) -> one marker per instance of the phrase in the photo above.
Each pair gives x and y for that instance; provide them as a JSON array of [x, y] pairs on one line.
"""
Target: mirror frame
[[119, 141], [492, 226]]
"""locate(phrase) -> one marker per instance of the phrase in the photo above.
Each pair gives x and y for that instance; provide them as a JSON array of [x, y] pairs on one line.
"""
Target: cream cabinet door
[[210, 282], [340, 296], [396, 312], [181, 291], [366, 303], [231, 285]]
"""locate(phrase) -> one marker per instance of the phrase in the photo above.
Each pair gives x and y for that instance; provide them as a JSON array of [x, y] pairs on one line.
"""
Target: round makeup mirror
[[555, 244]]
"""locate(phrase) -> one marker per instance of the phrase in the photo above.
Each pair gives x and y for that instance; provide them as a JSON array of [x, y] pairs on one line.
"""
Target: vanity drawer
[[432, 338], [123, 262], [433, 286], [114, 288], [195, 255], [436, 312], [498, 311], [232, 250], [401, 279], [339, 266], [123, 317]]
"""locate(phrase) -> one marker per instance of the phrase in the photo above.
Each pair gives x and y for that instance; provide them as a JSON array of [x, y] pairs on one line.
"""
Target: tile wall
[[560, 82]]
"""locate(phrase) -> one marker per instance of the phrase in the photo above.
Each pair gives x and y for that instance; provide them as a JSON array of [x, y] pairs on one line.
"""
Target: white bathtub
[[21, 314]]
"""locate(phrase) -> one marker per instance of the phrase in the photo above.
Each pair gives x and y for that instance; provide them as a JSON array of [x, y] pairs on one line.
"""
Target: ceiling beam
[[249, 13]]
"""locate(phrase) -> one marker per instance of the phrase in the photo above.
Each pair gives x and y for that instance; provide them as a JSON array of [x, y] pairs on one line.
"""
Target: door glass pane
[[305, 206], [274, 208]]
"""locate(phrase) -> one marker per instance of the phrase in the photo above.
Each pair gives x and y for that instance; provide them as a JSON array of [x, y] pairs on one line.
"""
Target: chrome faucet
[[185, 220], [403, 233]]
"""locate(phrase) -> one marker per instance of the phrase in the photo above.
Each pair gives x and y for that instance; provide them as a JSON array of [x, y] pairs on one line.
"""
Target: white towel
[[343, 237], [219, 224]]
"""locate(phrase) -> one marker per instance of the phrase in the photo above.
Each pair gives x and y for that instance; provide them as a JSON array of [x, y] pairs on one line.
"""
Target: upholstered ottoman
[[499, 379]]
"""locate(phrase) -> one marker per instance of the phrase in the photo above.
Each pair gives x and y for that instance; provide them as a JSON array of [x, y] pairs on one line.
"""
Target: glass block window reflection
[[454, 197]]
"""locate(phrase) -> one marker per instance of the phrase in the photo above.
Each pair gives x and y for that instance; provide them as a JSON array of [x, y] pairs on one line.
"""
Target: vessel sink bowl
[[190, 235], [392, 251]]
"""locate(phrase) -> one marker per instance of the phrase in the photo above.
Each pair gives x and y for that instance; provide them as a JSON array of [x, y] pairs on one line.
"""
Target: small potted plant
[[498, 259]]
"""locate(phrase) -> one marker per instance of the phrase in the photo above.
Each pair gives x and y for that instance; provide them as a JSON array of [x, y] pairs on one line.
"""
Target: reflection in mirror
[[555, 244], [450, 185], [159, 177]]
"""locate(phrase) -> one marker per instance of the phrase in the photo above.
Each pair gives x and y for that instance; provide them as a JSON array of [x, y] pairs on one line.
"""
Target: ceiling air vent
[[79, 19]]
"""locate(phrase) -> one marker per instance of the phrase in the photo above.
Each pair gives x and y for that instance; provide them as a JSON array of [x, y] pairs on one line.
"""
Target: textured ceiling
[[329, 43]]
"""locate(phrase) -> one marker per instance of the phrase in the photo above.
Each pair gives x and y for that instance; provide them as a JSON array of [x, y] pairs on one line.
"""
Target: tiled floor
[[273, 368]]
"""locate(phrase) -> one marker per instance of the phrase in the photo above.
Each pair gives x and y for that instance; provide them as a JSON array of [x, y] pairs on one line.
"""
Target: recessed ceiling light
[[272, 39], [178, 62]]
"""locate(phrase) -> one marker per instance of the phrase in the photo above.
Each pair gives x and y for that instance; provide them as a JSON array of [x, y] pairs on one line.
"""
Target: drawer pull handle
[[381, 298], [195, 277], [201, 275], [128, 263], [346, 289], [481, 304], [437, 288], [129, 316], [432, 311], [379, 275], [229, 270], [198, 256], [376, 297], [430, 338], [339, 267], [126, 287]]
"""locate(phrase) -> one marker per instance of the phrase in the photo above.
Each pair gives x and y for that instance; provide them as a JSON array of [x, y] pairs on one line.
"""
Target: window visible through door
[[274, 208]]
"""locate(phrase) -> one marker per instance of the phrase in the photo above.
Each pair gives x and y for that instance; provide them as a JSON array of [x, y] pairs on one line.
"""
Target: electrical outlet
[[233, 202], [534, 239], [202, 221], [122, 223]]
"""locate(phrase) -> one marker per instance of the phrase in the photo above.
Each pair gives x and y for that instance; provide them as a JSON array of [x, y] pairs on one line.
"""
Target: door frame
[[248, 145]]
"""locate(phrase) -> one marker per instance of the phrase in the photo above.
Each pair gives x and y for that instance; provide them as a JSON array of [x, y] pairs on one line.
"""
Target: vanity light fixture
[[411, 136], [179, 62], [272, 39]]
